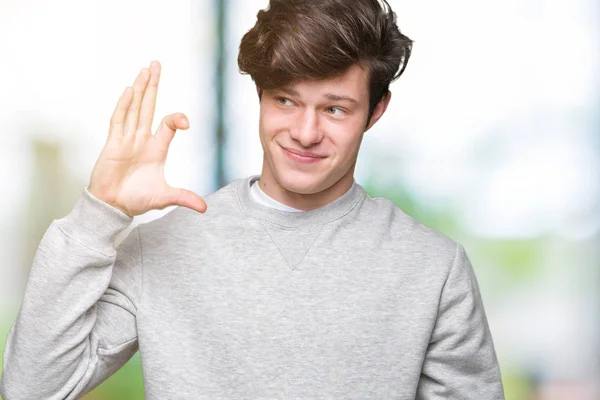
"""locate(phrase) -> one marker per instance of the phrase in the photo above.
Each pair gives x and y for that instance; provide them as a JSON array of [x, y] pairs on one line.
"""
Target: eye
[[331, 110], [282, 101]]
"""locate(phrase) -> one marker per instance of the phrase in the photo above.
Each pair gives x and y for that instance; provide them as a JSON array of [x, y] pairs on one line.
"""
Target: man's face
[[325, 118]]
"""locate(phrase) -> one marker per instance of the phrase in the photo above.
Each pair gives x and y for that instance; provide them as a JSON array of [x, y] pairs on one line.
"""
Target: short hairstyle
[[295, 40]]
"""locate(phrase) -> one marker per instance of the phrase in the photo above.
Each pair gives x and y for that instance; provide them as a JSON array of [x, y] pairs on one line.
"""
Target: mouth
[[302, 158]]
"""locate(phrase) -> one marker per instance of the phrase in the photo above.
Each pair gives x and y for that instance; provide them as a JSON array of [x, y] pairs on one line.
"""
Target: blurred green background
[[492, 137]]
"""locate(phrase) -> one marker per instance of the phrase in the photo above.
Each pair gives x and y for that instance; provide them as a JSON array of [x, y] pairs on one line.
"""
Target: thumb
[[185, 198], [169, 125]]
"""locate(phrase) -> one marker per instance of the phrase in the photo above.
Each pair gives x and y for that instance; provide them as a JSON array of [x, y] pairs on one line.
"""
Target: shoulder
[[406, 233]]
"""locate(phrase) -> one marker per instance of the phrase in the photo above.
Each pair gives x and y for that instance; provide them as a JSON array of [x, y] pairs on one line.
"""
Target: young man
[[289, 284]]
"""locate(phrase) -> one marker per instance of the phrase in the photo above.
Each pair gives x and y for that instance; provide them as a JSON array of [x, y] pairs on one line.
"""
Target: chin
[[301, 183]]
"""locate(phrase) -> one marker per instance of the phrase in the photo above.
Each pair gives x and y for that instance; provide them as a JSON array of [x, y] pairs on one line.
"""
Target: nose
[[306, 129]]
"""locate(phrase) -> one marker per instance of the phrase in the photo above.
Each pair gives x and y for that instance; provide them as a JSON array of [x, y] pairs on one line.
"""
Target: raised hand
[[129, 173]]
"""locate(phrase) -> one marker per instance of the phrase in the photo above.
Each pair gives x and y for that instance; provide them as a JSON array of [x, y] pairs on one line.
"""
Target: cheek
[[264, 125], [344, 138], [272, 123]]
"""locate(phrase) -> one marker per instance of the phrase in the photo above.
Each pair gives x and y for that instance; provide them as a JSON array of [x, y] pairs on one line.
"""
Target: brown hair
[[296, 40]]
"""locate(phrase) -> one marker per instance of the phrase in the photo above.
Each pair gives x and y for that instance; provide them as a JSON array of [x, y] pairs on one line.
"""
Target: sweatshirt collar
[[319, 216]]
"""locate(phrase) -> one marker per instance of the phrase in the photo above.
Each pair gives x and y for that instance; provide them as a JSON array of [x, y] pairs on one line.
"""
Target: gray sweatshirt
[[353, 300]]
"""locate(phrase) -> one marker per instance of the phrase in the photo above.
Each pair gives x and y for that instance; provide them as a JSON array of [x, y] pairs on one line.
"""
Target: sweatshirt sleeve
[[77, 321], [460, 362]]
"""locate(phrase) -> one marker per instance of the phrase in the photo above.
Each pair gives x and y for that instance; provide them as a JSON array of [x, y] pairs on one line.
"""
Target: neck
[[296, 194], [316, 217]]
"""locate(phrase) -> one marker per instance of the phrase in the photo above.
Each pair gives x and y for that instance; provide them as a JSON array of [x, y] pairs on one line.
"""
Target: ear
[[380, 109]]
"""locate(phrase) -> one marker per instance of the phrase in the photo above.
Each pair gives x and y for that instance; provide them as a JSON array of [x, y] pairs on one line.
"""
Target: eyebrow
[[328, 96]]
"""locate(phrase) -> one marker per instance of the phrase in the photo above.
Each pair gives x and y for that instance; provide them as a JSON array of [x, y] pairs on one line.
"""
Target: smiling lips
[[306, 158]]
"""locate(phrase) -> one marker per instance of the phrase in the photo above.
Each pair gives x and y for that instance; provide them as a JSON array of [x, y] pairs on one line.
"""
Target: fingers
[[149, 99], [139, 86], [169, 126], [185, 198], [118, 117]]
